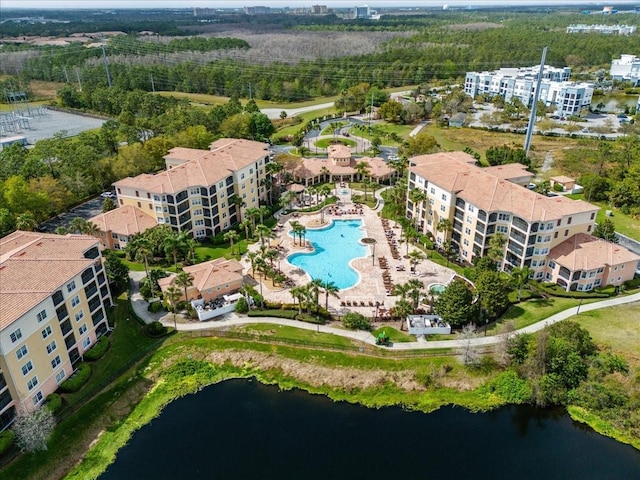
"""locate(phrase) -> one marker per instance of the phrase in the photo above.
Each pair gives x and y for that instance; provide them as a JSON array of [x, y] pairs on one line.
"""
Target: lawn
[[325, 142], [275, 332], [624, 224], [394, 335], [615, 327], [532, 311]]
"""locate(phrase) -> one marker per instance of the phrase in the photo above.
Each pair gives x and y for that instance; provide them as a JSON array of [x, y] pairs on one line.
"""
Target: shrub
[[557, 187], [77, 380], [155, 329], [98, 350], [54, 402], [305, 317], [557, 291], [6, 440], [155, 307], [241, 306], [356, 321], [510, 387]]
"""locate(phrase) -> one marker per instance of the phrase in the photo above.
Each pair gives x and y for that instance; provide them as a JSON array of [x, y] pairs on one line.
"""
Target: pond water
[[241, 429]]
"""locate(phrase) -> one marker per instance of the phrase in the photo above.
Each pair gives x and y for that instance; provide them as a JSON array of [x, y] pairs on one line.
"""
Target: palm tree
[[230, 237], [263, 211], [270, 255], [59, 230], [416, 256], [363, 169], [252, 213], [402, 309], [185, 280], [417, 195], [408, 233], [298, 293], [244, 225], [172, 296], [26, 222], [415, 289], [172, 246], [253, 256], [496, 247], [143, 252], [297, 229], [78, 225], [314, 290], [444, 225], [263, 231], [237, 200], [279, 278], [519, 278], [402, 290], [329, 288]]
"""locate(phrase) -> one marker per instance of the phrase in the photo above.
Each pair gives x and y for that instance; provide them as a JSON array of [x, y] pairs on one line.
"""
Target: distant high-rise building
[[361, 12], [258, 10], [319, 9]]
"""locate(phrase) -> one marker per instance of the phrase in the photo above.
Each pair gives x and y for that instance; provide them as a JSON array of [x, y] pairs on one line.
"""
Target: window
[[589, 228], [566, 233], [197, 211], [544, 251], [86, 342], [552, 264], [501, 229], [199, 222], [194, 191], [75, 301], [467, 231], [580, 287], [79, 315], [31, 384], [592, 274], [598, 282], [196, 201], [82, 329], [60, 376], [432, 191], [593, 215], [622, 267], [444, 197], [555, 235], [27, 367], [601, 269], [569, 223], [46, 332], [71, 286], [21, 352], [442, 208], [51, 347], [471, 208], [42, 315], [15, 335], [431, 201], [505, 217], [469, 219], [37, 398], [56, 361], [465, 242]]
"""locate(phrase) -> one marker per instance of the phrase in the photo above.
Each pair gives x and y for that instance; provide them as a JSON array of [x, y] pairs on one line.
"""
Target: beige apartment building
[[53, 296], [116, 227], [194, 193], [481, 202]]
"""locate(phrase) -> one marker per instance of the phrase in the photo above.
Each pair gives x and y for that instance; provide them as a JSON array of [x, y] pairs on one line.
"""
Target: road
[[274, 113]]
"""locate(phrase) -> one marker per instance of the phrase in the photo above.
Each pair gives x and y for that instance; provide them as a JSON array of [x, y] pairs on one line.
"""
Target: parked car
[[108, 195]]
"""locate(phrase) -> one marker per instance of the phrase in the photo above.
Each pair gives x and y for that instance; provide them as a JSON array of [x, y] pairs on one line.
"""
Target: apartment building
[[481, 202], [602, 29], [196, 193], [117, 227], [54, 294], [626, 68], [556, 90]]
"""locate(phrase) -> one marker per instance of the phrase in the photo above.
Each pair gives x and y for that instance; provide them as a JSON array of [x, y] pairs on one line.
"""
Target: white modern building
[[626, 68], [555, 89], [602, 29]]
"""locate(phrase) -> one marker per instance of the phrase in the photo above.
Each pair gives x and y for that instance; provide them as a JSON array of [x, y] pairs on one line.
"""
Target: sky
[[280, 3]]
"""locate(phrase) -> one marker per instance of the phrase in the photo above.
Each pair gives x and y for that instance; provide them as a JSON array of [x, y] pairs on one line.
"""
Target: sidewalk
[[232, 319]]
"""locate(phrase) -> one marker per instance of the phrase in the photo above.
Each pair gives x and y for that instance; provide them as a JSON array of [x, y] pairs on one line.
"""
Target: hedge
[[557, 291], [305, 317], [290, 314], [77, 380], [155, 329], [155, 307], [6, 440], [54, 402], [98, 350]]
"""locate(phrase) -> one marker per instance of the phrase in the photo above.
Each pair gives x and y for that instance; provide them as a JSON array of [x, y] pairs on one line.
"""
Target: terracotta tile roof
[[34, 265], [126, 220], [509, 171], [208, 275], [311, 167], [200, 167], [584, 252], [563, 179], [454, 172], [338, 151]]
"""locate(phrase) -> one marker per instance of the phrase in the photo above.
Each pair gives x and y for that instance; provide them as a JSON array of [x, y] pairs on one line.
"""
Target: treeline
[[38, 183]]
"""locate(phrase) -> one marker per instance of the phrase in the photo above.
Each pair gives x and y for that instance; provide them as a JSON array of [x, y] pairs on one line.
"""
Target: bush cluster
[[77, 380], [557, 291], [155, 307], [6, 440], [155, 329], [289, 314], [305, 317], [98, 350], [356, 321], [54, 402]]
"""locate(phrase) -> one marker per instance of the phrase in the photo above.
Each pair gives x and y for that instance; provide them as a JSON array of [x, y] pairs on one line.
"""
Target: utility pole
[[78, 77], [250, 94], [370, 113], [153, 85], [66, 74], [536, 96], [106, 64]]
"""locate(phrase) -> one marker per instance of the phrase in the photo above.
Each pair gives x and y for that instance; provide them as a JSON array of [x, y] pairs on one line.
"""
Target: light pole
[[579, 305], [373, 256]]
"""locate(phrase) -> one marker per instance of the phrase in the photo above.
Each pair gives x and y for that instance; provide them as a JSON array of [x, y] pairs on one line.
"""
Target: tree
[[415, 290], [454, 304], [33, 429], [356, 321], [116, 270], [231, 236], [7, 222], [261, 127], [421, 144], [493, 293], [143, 252], [108, 204], [263, 232], [445, 226], [607, 230], [415, 257], [390, 111], [469, 349], [543, 187], [172, 296], [329, 288], [26, 222], [497, 243], [519, 278], [185, 280]]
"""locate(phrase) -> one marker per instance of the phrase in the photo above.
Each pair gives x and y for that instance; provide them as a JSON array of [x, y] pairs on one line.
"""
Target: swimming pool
[[437, 288], [334, 247]]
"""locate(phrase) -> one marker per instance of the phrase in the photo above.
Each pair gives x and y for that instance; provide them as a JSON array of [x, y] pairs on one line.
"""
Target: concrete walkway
[[232, 320]]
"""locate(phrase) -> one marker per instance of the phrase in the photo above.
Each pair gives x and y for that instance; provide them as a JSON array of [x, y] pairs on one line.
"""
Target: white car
[[108, 195]]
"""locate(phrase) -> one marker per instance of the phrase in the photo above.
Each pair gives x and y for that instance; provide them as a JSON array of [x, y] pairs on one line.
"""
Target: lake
[[241, 429]]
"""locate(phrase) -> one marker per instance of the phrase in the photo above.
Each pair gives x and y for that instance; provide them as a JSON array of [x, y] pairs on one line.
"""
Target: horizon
[[239, 4]]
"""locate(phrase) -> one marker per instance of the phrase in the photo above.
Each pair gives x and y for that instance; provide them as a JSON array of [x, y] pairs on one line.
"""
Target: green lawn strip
[[326, 142], [293, 129], [270, 331], [615, 327], [624, 224], [394, 335], [382, 130], [527, 313]]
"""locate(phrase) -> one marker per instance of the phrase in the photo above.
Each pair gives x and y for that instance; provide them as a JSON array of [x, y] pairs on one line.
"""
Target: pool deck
[[371, 287]]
